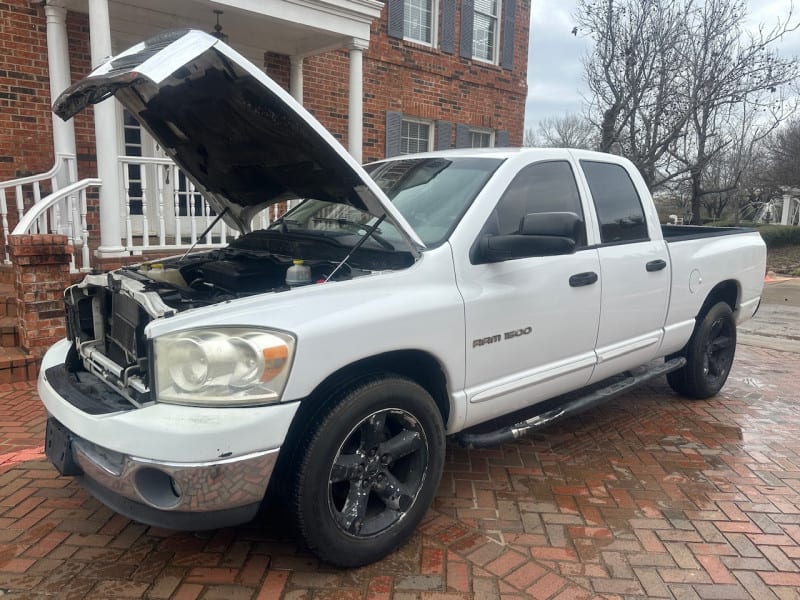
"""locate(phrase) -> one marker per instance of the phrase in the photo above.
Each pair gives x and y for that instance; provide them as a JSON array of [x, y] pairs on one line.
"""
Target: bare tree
[[635, 76], [783, 155], [569, 131], [669, 79], [736, 96], [530, 140]]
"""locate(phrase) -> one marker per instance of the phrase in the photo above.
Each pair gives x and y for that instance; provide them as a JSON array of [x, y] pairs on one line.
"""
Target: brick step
[[9, 334], [17, 365], [8, 300]]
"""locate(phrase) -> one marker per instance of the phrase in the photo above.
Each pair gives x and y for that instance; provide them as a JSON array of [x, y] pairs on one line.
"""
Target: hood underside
[[244, 142]]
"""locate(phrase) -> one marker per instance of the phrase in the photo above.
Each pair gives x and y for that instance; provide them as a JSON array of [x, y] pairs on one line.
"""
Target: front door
[[532, 322], [161, 205]]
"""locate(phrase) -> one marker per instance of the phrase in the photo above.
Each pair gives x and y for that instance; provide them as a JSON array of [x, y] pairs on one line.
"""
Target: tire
[[709, 355], [370, 466]]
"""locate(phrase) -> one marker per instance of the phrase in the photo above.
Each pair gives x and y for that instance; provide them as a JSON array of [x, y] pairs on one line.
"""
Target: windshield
[[432, 194]]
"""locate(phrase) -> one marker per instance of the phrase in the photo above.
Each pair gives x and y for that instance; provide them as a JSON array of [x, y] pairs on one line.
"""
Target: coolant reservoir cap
[[297, 261]]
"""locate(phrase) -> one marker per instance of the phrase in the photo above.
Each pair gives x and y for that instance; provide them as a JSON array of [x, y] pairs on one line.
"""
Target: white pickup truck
[[426, 295]]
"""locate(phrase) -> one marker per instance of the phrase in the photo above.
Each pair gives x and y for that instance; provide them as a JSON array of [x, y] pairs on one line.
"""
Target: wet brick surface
[[648, 496]]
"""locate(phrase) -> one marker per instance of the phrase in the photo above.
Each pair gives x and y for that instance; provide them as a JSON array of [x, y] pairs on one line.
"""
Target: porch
[[130, 201]]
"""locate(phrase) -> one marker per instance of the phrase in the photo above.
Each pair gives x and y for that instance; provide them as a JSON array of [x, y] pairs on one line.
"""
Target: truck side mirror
[[540, 234]]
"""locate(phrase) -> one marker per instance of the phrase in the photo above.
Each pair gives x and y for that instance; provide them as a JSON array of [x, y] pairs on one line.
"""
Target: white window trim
[[495, 60], [427, 122], [434, 26], [490, 132]]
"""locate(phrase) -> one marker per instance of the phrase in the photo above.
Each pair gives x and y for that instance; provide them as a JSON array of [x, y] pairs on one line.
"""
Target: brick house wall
[[400, 77], [26, 124]]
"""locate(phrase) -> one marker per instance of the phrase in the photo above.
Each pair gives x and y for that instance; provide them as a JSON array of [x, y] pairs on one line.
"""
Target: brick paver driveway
[[648, 496]]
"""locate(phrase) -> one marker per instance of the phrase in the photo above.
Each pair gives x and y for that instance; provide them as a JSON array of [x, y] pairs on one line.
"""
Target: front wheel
[[371, 464], [709, 355]]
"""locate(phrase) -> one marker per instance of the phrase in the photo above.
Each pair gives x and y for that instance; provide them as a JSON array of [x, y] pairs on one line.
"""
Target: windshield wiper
[[283, 221], [373, 232]]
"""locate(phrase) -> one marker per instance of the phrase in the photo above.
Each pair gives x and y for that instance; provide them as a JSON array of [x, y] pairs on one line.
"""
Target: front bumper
[[173, 466], [172, 495]]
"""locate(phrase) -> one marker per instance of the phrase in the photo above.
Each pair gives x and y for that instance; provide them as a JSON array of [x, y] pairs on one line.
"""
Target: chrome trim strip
[[205, 486]]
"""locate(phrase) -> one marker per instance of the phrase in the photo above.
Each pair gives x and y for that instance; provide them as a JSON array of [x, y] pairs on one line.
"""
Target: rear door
[[634, 270], [531, 323]]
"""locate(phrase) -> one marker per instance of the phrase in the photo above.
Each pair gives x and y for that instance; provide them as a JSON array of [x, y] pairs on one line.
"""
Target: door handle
[[656, 265], [581, 279]]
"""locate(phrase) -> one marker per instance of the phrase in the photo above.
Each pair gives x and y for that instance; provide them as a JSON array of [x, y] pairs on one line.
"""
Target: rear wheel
[[370, 467], [709, 355]]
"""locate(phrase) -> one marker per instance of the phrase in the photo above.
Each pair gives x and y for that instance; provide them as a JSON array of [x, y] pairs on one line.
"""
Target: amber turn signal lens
[[275, 358]]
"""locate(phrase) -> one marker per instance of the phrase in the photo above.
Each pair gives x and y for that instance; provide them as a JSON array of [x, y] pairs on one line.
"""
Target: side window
[[538, 188], [618, 206]]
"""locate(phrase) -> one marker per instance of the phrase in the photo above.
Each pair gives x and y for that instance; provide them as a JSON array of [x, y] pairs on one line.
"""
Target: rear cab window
[[617, 203]]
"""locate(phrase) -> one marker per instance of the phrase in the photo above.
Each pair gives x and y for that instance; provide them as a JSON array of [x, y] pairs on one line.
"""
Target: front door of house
[[160, 205]]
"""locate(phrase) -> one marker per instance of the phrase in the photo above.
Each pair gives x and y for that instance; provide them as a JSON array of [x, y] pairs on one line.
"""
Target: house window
[[484, 30], [480, 139], [133, 147], [415, 136], [418, 20]]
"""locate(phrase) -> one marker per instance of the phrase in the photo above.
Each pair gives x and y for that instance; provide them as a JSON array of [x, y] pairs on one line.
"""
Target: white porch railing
[[65, 166], [162, 210], [159, 207], [35, 219]]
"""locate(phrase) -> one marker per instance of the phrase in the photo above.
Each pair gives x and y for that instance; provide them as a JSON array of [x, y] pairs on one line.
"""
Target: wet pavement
[[649, 495]]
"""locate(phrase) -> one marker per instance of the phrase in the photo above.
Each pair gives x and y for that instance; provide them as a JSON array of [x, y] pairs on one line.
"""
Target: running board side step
[[571, 407]]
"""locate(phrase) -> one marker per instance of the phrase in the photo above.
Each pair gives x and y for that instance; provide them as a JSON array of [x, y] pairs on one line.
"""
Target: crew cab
[[475, 294]]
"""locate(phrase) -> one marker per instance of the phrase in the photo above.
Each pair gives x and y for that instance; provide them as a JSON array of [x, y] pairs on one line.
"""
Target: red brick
[[273, 585], [524, 577]]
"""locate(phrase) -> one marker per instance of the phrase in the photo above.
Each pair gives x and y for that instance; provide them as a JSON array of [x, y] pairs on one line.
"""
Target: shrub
[[780, 235]]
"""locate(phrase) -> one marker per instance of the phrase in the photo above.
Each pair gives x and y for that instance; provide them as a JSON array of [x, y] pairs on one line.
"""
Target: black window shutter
[[443, 131], [509, 20], [394, 128], [462, 136], [395, 28], [467, 20], [501, 139], [448, 26]]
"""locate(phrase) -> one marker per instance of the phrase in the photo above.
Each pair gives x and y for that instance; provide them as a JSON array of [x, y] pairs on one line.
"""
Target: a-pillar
[[105, 132], [355, 124]]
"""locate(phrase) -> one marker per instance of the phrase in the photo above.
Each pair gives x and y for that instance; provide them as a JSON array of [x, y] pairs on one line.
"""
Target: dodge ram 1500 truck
[[396, 304]]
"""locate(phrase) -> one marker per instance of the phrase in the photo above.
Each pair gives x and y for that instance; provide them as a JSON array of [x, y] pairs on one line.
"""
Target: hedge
[[780, 235]]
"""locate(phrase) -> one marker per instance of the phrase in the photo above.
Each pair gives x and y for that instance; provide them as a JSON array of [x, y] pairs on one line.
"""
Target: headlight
[[230, 366]]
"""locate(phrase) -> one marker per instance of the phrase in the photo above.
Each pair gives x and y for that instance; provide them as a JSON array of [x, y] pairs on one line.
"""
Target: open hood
[[242, 139]]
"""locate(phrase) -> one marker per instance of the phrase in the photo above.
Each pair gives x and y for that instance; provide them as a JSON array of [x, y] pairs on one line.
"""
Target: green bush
[[780, 235]]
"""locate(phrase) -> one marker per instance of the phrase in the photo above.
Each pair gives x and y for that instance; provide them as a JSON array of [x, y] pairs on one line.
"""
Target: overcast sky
[[555, 68]]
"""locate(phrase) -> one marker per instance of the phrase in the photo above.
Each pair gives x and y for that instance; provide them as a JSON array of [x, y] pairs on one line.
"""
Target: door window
[[618, 206], [538, 188]]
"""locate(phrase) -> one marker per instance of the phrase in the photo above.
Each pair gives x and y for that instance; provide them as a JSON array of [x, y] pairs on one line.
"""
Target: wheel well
[[417, 365], [725, 291]]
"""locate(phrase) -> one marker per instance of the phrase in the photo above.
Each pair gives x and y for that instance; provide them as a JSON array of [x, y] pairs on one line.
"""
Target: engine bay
[[257, 263]]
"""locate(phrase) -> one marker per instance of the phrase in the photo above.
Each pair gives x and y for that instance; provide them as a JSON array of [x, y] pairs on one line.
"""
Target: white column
[[787, 209], [355, 123], [296, 78], [105, 132], [60, 78]]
